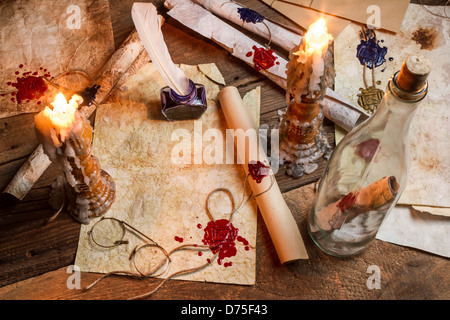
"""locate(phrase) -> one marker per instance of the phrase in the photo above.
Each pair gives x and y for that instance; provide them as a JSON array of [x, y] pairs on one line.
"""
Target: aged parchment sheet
[[48, 38], [164, 200]]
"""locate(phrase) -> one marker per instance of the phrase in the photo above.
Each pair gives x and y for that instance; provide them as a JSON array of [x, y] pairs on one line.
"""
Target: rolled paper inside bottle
[[349, 206], [277, 216], [377, 194]]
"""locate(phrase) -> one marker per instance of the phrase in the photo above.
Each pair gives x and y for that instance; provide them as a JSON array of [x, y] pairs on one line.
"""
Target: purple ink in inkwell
[[188, 107]]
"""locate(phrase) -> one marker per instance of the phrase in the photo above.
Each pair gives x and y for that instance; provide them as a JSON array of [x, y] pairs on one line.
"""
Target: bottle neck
[[397, 108], [404, 96]]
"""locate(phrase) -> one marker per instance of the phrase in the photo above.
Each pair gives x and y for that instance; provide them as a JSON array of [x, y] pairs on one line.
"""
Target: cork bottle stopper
[[413, 74]]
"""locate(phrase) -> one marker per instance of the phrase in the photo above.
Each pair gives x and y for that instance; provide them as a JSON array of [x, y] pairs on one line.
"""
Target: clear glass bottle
[[188, 107], [368, 170]]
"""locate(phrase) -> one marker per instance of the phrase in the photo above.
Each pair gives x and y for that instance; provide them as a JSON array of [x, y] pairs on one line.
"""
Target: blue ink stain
[[249, 15], [371, 53]]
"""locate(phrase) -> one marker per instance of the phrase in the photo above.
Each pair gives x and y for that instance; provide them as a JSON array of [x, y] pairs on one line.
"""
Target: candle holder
[[66, 136], [302, 138]]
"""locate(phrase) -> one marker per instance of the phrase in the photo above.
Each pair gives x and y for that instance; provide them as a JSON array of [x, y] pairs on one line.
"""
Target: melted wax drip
[[249, 15], [221, 236], [258, 171], [371, 53], [30, 86], [262, 58]]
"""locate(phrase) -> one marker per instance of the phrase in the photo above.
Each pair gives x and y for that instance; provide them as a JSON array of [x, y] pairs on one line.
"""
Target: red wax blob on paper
[[199, 226], [347, 201], [179, 239], [29, 88], [228, 264], [263, 58], [220, 236], [258, 170], [249, 54]]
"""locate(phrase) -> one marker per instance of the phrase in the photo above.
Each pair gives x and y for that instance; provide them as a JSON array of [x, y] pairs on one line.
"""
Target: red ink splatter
[[28, 87], [247, 248], [228, 264], [366, 149], [263, 58], [347, 201], [179, 239], [220, 236], [243, 240], [258, 170]]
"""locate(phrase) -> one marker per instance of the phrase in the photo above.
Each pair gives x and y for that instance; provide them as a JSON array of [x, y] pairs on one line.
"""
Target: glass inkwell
[[184, 107]]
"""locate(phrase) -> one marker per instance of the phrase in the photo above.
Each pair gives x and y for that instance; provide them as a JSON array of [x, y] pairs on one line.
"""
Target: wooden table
[[35, 255]]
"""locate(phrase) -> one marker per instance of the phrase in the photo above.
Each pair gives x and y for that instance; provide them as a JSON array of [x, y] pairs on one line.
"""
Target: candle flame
[[63, 113], [316, 39], [317, 36]]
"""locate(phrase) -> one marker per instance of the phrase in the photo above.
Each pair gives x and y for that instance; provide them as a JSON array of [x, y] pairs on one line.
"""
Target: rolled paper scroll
[[277, 216], [109, 77], [348, 207], [269, 30]]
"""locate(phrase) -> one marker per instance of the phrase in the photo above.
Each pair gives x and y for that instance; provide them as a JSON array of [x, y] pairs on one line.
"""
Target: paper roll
[[277, 216]]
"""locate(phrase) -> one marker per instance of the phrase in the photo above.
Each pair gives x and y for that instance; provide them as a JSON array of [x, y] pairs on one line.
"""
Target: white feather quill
[[148, 25]]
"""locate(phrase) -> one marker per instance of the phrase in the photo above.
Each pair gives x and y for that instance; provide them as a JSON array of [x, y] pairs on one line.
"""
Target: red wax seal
[[347, 201], [366, 149], [29, 86], [220, 236], [263, 58], [258, 170]]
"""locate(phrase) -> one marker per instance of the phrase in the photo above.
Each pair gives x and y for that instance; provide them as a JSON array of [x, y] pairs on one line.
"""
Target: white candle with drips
[[66, 136], [307, 66]]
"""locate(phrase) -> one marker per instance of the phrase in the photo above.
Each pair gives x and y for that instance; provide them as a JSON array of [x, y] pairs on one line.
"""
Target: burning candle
[[306, 68], [66, 136], [303, 141]]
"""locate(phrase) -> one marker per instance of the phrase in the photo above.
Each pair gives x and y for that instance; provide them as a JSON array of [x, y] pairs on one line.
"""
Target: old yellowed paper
[[387, 14], [42, 38], [161, 194]]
